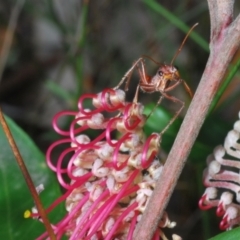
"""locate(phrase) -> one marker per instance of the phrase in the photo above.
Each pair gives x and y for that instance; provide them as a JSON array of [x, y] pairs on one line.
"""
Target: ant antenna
[[146, 56], [184, 40]]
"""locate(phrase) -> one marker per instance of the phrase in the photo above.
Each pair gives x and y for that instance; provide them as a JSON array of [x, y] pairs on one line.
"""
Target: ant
[[160, 82]]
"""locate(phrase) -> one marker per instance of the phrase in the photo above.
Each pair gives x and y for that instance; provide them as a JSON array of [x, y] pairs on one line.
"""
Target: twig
[[225, 35], [27, 176]]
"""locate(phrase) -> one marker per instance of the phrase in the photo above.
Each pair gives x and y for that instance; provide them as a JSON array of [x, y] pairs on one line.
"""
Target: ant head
[[168, 72]]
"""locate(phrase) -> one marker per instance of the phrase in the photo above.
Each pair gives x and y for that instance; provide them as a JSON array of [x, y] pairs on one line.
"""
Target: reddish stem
[[225, 36]]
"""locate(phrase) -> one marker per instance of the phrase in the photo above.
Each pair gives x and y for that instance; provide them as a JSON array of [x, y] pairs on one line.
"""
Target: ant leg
[[173, 86], [128, 75], [187, 88], [135, 99], [141, 72], [171, 98], [158, 103], [142, 75], [144, 78]]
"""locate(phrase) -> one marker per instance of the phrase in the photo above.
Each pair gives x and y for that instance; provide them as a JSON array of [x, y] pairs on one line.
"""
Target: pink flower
[[222, 174], [112, 176]]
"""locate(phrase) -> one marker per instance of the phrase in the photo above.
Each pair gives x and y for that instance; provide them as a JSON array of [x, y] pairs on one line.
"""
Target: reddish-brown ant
[[160, 82]]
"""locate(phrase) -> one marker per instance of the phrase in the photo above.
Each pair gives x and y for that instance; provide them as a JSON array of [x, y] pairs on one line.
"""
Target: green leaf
[[229, 235], [161, 117], [15, 197], [155, 6]]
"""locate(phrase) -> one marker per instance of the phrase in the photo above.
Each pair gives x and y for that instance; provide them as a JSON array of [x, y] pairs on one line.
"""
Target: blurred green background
[[62, 49]]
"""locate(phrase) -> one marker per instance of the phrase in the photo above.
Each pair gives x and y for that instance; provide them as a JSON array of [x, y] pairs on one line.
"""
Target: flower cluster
[[109, 179], [222, 180]]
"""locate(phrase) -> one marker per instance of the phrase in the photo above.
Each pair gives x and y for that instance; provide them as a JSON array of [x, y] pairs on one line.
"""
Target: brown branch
[[224, 42]]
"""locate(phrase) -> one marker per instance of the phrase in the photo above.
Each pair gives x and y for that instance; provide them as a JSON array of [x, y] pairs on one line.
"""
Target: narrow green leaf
[[177, 22]]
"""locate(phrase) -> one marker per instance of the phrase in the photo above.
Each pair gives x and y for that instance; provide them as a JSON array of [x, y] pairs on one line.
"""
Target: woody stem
[[224, 42]]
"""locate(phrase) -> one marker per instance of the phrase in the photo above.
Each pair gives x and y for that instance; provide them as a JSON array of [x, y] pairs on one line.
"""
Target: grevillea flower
[[111, 176], [222, 178]]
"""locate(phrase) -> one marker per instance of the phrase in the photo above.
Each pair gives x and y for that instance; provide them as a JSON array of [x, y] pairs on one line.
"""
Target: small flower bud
[[226, 198], [231, 212], [96, 121], [209, 159], [231, 145], [219, 152], [236, 125], [214, 168], [211, 192], [176, 237]]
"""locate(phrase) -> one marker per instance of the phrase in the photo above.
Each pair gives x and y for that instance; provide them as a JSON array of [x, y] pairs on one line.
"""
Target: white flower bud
[[214, 168], [236, 126], [226, 198], [232, 212], [219, 152], [96, 121], [209, 159], [211, 192], [231, 143], [81, 139], [176, 237], [120, 94]]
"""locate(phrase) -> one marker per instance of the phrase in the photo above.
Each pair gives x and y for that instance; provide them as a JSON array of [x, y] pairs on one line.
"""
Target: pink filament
[[55, 119], [109, 129], [73, 132], [49, 151], [128, 115], [120, 218], [80, 104], [144, 161], [132, 226], [220, 210], [55, 203], [88, 212], [94, 217], [156, 235], [117, 150], [224, 223], [118, 196], [63, 223], [60, 178], [202, 205]]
